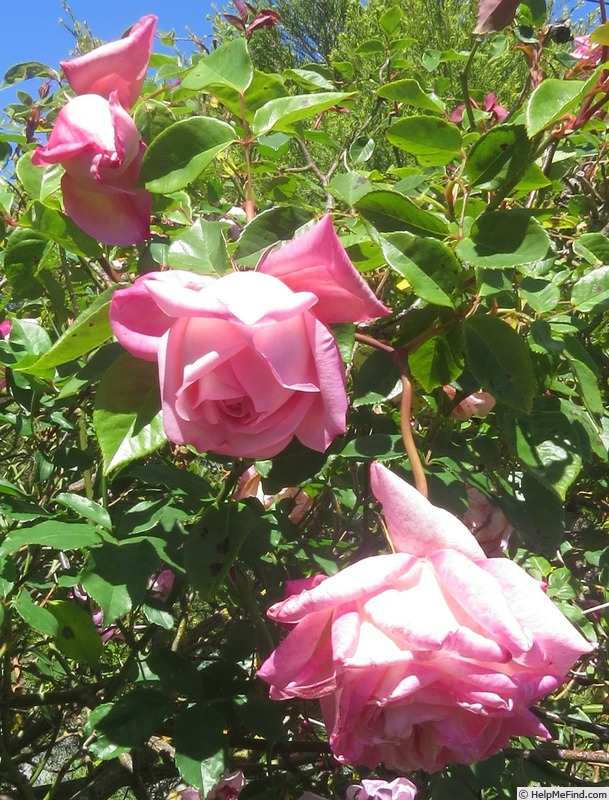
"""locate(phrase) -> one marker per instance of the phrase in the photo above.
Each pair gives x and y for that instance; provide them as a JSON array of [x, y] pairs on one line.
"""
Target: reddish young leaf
[[236, 21], [265, 19], [493, 15], [243, 12]]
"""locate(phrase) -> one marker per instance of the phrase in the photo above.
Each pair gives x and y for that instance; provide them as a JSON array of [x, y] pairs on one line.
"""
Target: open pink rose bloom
[[247, 361], [97, 143], [118, 66], [429, 655]]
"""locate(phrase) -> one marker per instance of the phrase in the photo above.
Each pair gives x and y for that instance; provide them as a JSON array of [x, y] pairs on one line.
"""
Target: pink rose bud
[[398, 789], [163, 584], [5, 328], [117, 66], [97, 143], [247, 361], [477, 404], [428, 655], [488, 523]]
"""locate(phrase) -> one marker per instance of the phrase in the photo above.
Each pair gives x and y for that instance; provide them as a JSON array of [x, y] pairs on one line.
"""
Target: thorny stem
[[401, 361]]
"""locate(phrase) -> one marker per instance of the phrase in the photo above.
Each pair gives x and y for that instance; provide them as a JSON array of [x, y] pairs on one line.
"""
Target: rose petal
[[117, 66], [317, 261], [414, 524]]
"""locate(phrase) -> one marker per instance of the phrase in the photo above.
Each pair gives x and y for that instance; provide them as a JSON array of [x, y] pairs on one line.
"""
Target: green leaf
[[409, 92], [176, 673], [76, 637], [271, 226], [116, 576], [89, 330], [438, 361], [281, 114], [591, 293], [262, 716], [120, 727], [60, 229], [563, 585], [383, 446], [350, 186], [200, 743], [293, 466], [593, 247], [376, 380], [200, 249], [390, 19], [361, 150], [26, 70], [24, 251], [52, 533], [370, 47], [500, 361], [213, 545], [38, 618], [127, 417], [547, 445], [308, 79], [390, 211], [551, 100], [504, 239], [39, 182], [540, 518], [600, 35], [86, 508], [182, 151], [541, 295], [433, 141], [586, 373], [499, 155], [152, 118], [229, 65], [428, 265], [264, 87]]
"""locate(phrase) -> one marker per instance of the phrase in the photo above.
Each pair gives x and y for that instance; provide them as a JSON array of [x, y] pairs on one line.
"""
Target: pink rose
[[250, 485], [117, 66], [429, 655], [477, 404], [162, 585], [398, 789], [247, 361], [228, 788], [97, 143], [585, 50], [487, 522]]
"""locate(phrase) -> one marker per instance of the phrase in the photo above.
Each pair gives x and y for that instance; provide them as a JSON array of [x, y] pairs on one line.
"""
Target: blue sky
[[35, 34]]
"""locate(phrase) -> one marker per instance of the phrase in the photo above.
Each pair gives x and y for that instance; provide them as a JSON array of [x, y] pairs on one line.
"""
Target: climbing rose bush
[[247, 361], [117, 66], [97, 143], [431, 654]]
